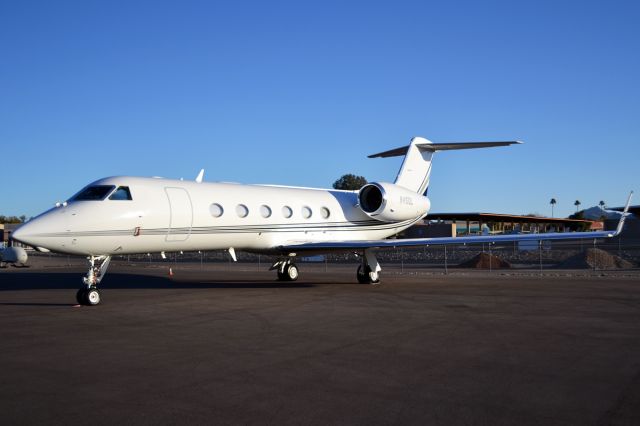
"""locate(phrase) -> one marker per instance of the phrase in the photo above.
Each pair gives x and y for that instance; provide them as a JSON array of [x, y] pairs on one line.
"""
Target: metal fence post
[[490, 268], [619, 246], [540, 254], [446, 270], [595, 256]]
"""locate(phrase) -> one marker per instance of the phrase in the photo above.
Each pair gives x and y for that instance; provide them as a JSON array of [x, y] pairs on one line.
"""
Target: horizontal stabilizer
[[448, 146]]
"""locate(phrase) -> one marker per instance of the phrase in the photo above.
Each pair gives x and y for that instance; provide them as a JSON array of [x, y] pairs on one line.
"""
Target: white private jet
[[135, 215]]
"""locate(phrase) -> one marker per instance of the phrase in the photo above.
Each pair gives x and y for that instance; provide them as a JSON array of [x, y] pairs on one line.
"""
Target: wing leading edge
[[418, 242]]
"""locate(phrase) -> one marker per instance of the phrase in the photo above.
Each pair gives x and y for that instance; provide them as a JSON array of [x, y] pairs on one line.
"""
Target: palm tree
[[553, 202], [601, 204], [577, 204]]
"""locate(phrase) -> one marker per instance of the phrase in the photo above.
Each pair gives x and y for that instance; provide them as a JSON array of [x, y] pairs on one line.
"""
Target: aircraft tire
[[363, 277], [292, 272], [80, 296], [374, 277], [92, 296]]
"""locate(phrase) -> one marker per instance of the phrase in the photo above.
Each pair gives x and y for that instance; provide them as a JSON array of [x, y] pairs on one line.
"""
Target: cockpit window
[[94, 193], [122, 193]]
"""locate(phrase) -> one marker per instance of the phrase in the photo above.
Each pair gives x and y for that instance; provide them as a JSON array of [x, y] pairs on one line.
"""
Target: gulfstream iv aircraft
[[128, 215]]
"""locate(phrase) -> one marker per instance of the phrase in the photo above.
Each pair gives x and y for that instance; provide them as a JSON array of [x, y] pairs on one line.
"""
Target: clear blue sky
[[300, 92]]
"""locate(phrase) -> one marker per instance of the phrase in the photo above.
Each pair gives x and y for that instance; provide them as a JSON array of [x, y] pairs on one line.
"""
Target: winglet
[[200, 176], [623, 216]]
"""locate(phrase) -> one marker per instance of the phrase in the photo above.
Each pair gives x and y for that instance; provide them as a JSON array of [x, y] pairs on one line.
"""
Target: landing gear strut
[[89, 294], [287, 270], [369, 269]]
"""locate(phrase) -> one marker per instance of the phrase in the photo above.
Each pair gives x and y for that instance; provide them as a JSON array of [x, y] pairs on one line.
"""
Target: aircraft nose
[[33, 233], [22, 234]]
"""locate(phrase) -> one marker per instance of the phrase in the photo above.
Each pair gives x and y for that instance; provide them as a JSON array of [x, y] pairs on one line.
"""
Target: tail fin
[[416, 168]]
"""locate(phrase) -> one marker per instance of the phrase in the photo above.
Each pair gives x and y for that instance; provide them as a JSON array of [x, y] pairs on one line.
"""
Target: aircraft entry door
[[181, 214]]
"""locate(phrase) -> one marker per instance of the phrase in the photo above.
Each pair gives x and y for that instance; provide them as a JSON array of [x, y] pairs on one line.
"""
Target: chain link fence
[[598, 255]]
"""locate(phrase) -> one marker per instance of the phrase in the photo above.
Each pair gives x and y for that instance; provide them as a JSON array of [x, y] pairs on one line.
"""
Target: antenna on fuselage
[[200, 176]]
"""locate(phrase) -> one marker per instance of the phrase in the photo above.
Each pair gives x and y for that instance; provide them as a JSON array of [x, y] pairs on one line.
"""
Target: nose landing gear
[[89, 295]]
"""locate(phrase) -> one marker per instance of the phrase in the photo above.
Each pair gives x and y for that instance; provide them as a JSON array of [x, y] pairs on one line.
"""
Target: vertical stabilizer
[[415, 171], [416, 168]]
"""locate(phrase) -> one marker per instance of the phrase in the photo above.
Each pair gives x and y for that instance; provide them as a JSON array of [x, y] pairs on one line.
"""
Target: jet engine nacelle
[[387, 202]]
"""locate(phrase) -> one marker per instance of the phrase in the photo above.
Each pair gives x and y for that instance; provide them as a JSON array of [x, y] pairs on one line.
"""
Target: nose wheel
[[89, 295]]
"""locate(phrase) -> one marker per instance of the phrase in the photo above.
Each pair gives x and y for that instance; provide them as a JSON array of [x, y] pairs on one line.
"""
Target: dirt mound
[[485, 261], [595, 258]]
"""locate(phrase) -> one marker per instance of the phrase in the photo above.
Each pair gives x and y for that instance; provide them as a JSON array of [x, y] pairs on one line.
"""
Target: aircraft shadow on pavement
[[39, 280]]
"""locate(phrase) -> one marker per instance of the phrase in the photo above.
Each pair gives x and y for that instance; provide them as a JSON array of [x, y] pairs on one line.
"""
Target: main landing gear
[[89, 294], [369, 269], [287, 270]]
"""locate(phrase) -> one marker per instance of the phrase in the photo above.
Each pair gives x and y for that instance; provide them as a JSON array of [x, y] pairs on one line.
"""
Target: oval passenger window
[[265, 211], [216, 210], [287, 212], [242, 210], [306, 212]]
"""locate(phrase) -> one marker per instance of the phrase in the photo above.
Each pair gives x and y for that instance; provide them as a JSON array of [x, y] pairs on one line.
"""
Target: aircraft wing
[[419, 242]]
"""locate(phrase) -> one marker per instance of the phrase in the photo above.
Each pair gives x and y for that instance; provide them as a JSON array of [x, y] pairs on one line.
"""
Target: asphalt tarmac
[[237, 347]]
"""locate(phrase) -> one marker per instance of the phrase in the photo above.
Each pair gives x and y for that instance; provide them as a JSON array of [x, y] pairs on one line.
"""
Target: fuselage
[[175, 215]]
